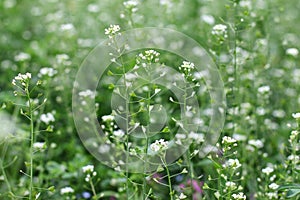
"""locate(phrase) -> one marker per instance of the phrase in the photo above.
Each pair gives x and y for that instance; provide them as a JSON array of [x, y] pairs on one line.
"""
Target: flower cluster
[[159, 145], [149, 56], [22, 83], [239, 196], [233, 164], [88, 170], [220, 31], [131, 5], [296, 116], [47, 118], [186, 68], [47, 71], [66, 190], [228, 143], [39, 146], [112, 30]]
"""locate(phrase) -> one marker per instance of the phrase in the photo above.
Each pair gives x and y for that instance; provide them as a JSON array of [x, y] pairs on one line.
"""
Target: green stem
[[169, 177], [145, 193], [3, 170], [127, 117], [31, 143], [93, 189]]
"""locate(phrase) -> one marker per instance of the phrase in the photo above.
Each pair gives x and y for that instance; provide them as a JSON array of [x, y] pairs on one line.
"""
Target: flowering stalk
[[21, 82]]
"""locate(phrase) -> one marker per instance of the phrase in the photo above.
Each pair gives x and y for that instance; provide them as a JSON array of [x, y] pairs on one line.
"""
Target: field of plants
[[149, 100]]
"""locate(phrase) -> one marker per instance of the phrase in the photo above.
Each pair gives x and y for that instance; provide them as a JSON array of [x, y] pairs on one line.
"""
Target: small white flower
[[159, 145], [182, 196], [267, 170], [273, 186], [264, 89], [293, 158], [62, 58], [198, 137], [219, 30], [106, 118], [131, 5], [87, 93], [187, 65], [93, 8], [272, 195], [88, 169], [231, 185], [22, 57], [148, 56], [292, 52], [228, 140], [208, 19], [296, 115], [39, 145], [232, 163], [119, 133], [67, 27], [239, 196], [47, 118], [112, 30], [66, 190], [256, 143], [47, 72]]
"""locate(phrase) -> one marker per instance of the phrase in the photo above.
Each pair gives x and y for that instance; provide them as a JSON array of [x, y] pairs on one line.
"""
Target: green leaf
[[292, 193]]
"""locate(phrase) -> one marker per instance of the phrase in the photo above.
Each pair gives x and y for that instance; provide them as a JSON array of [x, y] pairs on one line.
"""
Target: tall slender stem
[[169, 177], [31, 143]]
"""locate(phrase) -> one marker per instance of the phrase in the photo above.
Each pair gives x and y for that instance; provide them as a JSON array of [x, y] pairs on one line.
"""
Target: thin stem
[[146, 148], [169, 177], [31, 143], [127, 116], [93, 189], [3, 169]]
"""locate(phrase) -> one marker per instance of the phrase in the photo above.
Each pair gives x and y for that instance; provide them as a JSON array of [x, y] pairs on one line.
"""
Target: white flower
[[88, 169], [292, 51], [198, 137], [119, 133], [62, 58], [94, 8], [219, 30], [47, 72], [239, 196], [293, 158], [47, 118], [273, 186], [272, 195], [67, 27], [39, 145], [296, 115], [228, 140], [232, 163], [187, 65], [182, 196], [131, 5], [267, 170], [231, 185], [159, 145], [208, 19], [87, 93], [22, 77], [66, 190], [264, 89], [106, 118], [22, 57], [112, 30], [256, 143], [149, 56]]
